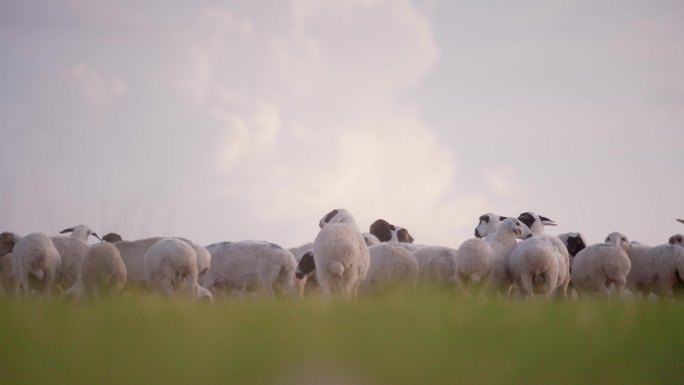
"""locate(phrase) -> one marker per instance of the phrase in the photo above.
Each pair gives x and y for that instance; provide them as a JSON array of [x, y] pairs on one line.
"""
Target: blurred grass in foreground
[[427, 336]]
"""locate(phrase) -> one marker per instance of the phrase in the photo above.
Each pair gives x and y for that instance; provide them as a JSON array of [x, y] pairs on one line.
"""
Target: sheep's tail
[[336, 268], [538, 278]]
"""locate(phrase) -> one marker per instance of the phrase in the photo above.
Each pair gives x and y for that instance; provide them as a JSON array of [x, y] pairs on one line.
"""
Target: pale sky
[[225, 121]]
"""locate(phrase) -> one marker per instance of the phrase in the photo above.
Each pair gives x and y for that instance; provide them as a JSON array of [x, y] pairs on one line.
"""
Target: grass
[[424, 337]]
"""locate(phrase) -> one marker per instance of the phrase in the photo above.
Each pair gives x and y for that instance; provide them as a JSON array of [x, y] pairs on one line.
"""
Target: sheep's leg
[[461, 283], [564, 287], [603, 289], [619, 284], [527, 286], [166, 286]]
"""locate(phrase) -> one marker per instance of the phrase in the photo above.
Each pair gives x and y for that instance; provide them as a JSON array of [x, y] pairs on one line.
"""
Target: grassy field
[[423, 337]]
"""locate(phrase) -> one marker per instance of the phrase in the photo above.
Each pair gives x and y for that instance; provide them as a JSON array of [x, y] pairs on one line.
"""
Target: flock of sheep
[[508, 256]]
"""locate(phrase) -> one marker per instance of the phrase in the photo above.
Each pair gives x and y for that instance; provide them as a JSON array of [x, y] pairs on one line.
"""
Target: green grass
[[424, 337]]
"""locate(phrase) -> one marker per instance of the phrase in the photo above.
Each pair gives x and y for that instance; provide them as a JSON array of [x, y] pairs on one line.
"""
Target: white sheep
[[540, 264], [34, 258], [203, 257], [132, 253], [340, 253], [250, 266], [654, 270], [72, 251], [486, 260], [436, 264], [80, 232], [390, 264], [102, 272], [488, 223], [599, 266], [170, 266], [305, 274], [7, 280]]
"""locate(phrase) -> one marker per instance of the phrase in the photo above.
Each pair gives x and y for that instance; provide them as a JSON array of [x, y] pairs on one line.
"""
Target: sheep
[[299, 251], [308, 281], [485, 260], [488, 223], [305, 274], [676, 240], [390, 264], [598, 266], [80, 232], [574, 242], [436, 264], [170, 266], [7, 278], [203, 257], [132, 253], [340, 253], [102, 272], [34, 258], [386, 232], [72, 252], [249, 266], [654, 270], [540, 264]]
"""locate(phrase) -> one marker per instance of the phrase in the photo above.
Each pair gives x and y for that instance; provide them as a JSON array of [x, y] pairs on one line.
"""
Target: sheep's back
[[341, 243]]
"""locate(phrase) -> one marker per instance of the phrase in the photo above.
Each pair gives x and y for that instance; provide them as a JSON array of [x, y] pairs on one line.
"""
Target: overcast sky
[[251, 120]]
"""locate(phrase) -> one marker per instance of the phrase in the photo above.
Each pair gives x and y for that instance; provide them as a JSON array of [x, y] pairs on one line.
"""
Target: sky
[[227, 121]]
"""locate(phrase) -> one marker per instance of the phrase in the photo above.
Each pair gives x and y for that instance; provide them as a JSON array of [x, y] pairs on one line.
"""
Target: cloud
[[99, 91], [254, 120]]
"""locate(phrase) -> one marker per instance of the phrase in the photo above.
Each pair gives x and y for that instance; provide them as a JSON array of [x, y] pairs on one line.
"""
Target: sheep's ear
[[96, 236], [67, 230], [330, 216], [382, 230], [501, 219], [546, 221], [680, 220]]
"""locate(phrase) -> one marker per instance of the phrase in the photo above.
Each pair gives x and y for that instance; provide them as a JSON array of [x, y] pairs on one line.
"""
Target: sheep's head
[[676, 240], [488, 224], [7, 242], [382, 230], [337, 216], [387, 232], [515, 226], [575, 243], [81, 232], [619, 240], [111, 238], [305, 266], [403, 235], [535, 222]]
